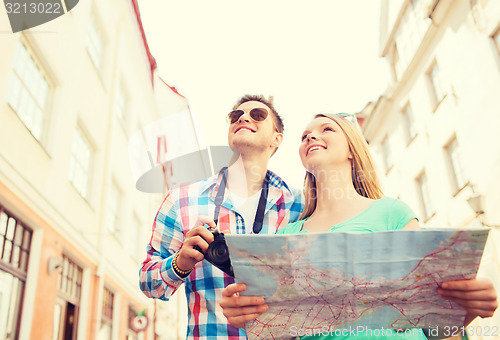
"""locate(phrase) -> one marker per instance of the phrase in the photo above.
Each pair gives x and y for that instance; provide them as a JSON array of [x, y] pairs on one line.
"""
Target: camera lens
[[217, 252]]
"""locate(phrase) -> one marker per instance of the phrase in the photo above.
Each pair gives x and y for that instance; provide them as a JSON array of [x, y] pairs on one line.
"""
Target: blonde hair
[[364, 178]]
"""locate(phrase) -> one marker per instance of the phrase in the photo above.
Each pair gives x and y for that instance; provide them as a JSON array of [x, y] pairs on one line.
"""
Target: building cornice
[[151, 59]]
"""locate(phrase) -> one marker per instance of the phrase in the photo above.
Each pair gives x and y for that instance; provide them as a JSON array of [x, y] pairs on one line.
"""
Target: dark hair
[[268, 102]]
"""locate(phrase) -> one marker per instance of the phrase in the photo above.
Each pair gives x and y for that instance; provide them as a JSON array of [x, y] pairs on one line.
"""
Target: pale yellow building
[[435, 129], [73, 226]]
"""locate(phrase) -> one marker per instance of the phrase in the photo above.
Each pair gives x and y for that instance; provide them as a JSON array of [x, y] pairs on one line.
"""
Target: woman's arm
[[412, 225], [477, 296]]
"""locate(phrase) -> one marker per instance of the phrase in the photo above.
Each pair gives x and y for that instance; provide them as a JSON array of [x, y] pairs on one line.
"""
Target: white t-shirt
[[247, 207]]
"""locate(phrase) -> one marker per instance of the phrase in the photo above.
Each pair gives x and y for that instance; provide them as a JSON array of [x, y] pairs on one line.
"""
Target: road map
[[342, 280]]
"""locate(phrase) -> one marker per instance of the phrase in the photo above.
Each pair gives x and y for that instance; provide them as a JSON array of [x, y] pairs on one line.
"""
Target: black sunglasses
[[258, 114]]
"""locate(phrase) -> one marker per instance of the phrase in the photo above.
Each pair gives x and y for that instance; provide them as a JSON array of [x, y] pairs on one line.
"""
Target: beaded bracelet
[[179, 271]]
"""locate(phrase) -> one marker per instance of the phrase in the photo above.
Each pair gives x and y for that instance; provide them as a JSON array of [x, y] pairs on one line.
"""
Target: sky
[[314, 56]]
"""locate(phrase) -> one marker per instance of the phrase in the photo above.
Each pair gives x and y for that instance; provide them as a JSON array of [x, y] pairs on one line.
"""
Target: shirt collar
[[212, 184]]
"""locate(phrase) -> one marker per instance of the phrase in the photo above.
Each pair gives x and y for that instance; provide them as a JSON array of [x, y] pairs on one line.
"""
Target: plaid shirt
[[177, 215]]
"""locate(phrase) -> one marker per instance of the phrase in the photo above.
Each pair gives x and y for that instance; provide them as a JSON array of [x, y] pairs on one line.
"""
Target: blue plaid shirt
[[177, 215]]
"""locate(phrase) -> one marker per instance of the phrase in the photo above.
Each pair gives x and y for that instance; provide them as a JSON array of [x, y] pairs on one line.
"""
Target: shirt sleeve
[[157, 276], [297, 205], [400, 215]]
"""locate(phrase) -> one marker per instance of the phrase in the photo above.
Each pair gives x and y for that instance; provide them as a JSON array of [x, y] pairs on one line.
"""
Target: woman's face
[[324, 146]]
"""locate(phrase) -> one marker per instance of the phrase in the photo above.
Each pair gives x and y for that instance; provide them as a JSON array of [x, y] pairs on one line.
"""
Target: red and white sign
[[139, 323]]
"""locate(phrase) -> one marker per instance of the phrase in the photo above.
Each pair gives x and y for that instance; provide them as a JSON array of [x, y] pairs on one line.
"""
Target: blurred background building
[[73, 226], [435, 129]]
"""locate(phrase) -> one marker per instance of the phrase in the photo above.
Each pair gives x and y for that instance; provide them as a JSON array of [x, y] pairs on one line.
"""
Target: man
[[255, 131]]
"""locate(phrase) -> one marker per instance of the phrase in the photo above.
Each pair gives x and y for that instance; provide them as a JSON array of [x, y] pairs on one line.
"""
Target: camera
[[217, 253]]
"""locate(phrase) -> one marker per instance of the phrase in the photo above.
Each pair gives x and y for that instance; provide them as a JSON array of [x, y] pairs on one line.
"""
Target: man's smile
[[244, 128]]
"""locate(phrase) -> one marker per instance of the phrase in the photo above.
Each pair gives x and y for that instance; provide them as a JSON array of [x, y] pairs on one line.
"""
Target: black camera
[[217, 253]]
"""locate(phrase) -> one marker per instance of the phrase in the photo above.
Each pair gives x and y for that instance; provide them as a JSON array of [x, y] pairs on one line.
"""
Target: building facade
[[73, 226], [434, 130]]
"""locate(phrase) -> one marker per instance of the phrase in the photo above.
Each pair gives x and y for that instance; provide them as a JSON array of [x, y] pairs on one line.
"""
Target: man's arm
[[170, 254], [157, 276]]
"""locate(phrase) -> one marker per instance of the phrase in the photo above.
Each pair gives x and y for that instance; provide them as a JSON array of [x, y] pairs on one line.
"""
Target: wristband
[[178, 271]]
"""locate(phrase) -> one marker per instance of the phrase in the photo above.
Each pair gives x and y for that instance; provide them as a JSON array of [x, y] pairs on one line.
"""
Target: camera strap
[[261, 208]]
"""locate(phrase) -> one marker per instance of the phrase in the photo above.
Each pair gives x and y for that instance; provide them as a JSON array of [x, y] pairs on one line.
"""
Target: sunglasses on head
[[258, 114], [350, 117]]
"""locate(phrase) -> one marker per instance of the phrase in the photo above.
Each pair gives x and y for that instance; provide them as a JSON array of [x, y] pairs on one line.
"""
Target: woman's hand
[[477, 296], [240, 309]]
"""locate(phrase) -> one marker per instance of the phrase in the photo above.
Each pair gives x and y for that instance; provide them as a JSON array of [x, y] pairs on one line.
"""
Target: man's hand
[[477, 296], [240, 309], [197, 236]]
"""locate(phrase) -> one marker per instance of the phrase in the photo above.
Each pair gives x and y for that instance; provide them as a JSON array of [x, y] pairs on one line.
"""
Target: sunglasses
[[350, 117], [258, 114]]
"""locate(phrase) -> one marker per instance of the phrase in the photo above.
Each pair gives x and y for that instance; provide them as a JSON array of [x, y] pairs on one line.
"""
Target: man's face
[[246, 134]]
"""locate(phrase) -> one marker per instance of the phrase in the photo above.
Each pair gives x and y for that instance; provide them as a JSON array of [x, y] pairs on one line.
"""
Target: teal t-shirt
[[384, 214]]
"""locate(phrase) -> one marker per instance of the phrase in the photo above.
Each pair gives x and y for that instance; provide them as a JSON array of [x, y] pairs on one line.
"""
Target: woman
[[342, 193]]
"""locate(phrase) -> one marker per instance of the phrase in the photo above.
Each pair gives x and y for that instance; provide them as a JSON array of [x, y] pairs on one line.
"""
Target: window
[[409, 123], [387, 154], [121, 105], [425, 197], [436, 82], [15, 241], [80, 163], [70, 279], [69, 283], [29, 91], [95, 42], [133, 237], [456, 169], [404, 43], [410, 33], [114, 199], [397, 66], [105, 332]]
